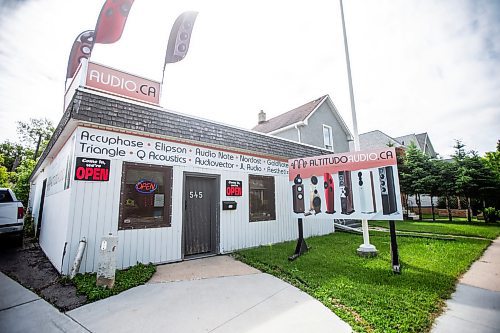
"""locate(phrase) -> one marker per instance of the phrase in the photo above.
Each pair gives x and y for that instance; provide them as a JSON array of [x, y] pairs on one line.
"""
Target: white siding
[[54, 226], [91, 210], [96, 209], [238, 233], [56, 208]]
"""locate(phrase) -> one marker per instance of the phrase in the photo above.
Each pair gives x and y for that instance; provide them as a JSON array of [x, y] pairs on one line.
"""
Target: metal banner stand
[[396, 268], [301, 243]]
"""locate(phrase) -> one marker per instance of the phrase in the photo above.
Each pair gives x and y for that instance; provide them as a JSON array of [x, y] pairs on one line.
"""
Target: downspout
[[78, 259], [298, 132]]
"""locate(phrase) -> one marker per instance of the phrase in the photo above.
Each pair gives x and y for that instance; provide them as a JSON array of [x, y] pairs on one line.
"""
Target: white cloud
[[418, 66]]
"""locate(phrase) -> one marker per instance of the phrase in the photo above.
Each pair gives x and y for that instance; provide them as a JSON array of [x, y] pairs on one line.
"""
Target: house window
[[328, 137], [262, 205], [146, 197]]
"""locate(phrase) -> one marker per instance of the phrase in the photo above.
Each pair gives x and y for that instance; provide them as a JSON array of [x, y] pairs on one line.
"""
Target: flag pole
[[366, 249]]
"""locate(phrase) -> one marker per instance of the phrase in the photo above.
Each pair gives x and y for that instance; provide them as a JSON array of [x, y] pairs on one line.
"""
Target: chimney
[[262, 117]]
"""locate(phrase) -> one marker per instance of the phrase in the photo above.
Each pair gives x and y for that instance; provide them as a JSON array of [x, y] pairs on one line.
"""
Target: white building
[[170, 186]]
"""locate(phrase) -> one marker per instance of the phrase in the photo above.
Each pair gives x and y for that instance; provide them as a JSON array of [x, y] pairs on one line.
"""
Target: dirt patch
[[29, 266]]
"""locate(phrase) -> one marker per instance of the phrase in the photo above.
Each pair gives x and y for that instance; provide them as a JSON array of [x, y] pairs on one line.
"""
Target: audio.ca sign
[[356, 185], [121, 83]]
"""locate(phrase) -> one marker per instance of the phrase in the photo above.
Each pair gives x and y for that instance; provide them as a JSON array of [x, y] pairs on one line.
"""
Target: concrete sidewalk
[[217, 294], [201, 300], [23, 311], [475, 306]]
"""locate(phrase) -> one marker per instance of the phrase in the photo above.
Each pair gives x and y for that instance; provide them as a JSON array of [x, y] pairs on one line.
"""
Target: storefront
[[170, 186]]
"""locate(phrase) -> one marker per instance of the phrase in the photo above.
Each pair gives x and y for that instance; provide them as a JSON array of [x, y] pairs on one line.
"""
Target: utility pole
[[366, 249]]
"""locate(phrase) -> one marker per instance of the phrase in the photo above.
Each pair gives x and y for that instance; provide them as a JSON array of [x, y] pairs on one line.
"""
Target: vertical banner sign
[[234, 188], [357, 185], [81, 49], [111, 21], [180, 36], [92, 169]]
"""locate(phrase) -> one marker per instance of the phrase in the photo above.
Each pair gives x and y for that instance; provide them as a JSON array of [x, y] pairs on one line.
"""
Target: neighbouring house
[[422, 141], [378, 139], [316, 123]]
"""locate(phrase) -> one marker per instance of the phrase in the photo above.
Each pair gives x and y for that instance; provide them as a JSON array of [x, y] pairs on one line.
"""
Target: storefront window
[[262, 205], [146, 197]]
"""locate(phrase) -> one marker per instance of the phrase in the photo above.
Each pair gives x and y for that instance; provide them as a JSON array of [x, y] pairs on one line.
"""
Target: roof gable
[[377, 139], [289, 118], [300, 116], [406, 139], [421, 138]]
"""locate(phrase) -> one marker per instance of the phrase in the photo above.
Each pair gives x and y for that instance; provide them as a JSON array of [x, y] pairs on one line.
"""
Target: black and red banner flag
[[82, 48], [111, 21]]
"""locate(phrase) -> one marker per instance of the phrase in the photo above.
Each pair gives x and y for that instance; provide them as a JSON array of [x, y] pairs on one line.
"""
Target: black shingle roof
[[107, 111]]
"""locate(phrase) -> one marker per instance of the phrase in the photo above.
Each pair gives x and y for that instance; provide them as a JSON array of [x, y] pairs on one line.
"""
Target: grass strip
[[365, 292], [456, 228], [124, 279]]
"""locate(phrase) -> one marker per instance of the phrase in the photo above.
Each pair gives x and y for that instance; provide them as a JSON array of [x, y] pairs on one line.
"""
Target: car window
[[5, 196]]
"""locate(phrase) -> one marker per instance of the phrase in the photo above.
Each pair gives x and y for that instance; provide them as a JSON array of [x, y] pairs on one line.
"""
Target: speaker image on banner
[[387, 190], [180, 37], [315, 202], [329, 193], [345, 187], [298, 195], [367, 203]]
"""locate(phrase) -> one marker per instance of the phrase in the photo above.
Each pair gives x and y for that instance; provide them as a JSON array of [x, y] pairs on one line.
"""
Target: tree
[[432, 181], [492, 161], [474, 179], [472, 176], [22, 185], [13, 154], [35, 133], [5, 175], [447, 180], [402, 172], [415, 174]]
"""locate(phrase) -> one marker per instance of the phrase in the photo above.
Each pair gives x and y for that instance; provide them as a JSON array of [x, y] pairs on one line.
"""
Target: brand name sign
[[105, 144], [120, 83]]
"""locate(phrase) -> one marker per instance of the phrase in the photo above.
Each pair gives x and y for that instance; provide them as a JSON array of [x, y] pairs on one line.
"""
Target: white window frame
[[325, 144]]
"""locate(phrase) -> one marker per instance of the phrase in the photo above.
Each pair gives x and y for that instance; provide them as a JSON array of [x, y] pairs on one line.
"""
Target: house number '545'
[[195, 195]]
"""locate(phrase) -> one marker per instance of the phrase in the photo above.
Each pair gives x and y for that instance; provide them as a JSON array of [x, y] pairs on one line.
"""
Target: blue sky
[[418, 66]]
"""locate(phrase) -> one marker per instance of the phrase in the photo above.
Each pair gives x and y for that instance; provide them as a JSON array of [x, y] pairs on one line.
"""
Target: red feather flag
[[82, 48], [111, 21]]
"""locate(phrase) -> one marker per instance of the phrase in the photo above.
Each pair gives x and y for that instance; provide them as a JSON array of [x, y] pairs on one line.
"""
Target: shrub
[[29, 225], [491, 215]]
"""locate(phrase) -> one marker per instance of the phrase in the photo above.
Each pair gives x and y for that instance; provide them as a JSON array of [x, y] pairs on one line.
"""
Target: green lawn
[[365, 292], [458, 228]]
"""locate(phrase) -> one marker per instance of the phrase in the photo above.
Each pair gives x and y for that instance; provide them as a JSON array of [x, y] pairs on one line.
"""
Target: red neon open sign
[[146, 186]]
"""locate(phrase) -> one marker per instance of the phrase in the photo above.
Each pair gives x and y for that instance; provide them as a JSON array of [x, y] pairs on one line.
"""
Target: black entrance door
[[200, 215]]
